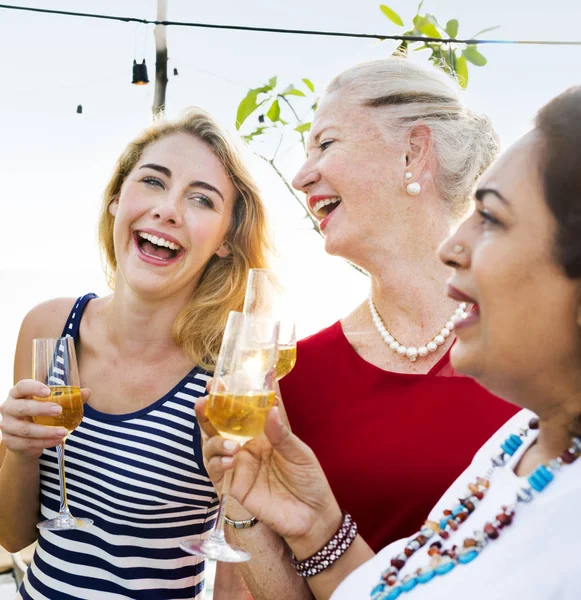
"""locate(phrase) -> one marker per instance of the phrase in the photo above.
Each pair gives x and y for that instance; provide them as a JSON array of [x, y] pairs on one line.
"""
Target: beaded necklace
[[443, 560]]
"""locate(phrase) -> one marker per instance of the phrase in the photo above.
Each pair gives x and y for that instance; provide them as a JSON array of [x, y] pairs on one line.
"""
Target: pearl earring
[[413, 189], [408, 176]]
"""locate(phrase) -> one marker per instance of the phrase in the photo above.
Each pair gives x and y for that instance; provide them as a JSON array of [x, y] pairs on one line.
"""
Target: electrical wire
[[410, 38]]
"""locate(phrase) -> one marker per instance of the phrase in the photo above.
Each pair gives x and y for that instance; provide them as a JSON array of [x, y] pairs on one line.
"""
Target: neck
[[556, 399], [409, 295], [142, 326]]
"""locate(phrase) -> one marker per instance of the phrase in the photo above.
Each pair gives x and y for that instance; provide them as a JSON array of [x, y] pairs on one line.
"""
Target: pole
[[160, 34]]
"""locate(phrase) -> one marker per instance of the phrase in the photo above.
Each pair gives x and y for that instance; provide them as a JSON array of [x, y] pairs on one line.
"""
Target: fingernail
[[230, 445], [56, 410], [45, 391], [61, 432], [227, 460]]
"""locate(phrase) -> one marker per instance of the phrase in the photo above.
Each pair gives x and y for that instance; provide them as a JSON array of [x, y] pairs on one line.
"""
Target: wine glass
[[287, 347], [241, 393], [54, 363], [264, 297]]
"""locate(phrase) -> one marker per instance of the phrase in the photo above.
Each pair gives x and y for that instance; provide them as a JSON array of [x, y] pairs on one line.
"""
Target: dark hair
[[559, 124]]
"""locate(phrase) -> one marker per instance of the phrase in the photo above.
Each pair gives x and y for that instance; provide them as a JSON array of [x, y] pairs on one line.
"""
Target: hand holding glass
[[241, 394], [55, 364]]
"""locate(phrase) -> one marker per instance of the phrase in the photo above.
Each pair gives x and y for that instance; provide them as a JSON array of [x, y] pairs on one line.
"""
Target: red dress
[[390, 443]]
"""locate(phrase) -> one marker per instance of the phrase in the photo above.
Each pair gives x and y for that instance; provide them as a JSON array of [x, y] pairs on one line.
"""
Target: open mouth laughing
[[322, 207], [155, 248]]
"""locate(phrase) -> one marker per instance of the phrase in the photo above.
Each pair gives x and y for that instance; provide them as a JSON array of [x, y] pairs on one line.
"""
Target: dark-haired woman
[[509, 526]]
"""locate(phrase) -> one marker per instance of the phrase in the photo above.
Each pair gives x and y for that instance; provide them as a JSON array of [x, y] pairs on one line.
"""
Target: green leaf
[[430, 30], [292, 91], [462, 71], [274, 111], [391, 15], [452, 28], [474, 56], [303, 128], [309, 84], [485, 31], [250, 103], [272, 82], [255, 133], [246, 107], [419, 7]]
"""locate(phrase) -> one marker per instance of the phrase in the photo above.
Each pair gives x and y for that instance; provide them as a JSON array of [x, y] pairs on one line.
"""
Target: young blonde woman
[[181, 224]]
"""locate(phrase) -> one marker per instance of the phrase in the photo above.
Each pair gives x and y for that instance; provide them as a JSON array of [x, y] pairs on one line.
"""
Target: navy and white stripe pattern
[[140, 477]]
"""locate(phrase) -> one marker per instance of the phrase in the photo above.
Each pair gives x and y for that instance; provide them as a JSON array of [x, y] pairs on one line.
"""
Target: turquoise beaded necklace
[[443, 560]]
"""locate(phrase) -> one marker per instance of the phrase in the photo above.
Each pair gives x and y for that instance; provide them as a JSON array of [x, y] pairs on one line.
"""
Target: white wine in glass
[[264, 297], [241, 395], [54, 363]]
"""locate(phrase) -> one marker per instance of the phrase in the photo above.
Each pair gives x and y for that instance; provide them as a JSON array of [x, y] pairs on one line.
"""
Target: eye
[[203, 200], [324, 145], [487, 219], [153, 181]]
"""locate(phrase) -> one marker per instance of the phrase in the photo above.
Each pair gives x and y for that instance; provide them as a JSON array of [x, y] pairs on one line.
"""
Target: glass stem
[[217, 534], [64, 507]]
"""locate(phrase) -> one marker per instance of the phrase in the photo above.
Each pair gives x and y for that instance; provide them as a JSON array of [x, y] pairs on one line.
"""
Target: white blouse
[[537, 557]]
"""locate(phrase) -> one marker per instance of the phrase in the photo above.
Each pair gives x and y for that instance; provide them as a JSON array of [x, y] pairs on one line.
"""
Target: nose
[[168, 209], [455, 250], [306, 177]]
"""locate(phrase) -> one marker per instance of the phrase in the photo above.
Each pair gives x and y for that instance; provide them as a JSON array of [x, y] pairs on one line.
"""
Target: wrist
[[323, 529]]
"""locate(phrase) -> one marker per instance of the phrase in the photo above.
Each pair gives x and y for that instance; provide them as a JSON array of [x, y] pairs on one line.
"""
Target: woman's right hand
[[277, 479], [19, 434]]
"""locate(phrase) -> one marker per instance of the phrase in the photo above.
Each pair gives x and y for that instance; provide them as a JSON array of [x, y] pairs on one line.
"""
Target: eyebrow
[[480, 193], [199, 184]]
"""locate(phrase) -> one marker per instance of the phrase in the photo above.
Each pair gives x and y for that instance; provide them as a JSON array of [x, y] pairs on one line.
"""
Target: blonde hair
[[199, 327], [409, 94]]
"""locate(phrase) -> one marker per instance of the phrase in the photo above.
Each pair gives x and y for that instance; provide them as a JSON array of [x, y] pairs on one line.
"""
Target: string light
[[140, 73]]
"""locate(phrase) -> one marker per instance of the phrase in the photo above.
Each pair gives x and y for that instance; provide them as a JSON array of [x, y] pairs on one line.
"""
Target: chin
[[466, 360]]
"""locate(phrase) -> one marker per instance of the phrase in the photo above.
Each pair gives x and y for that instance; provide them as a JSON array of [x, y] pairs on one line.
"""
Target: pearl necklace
[[411, 351], [442, 560]]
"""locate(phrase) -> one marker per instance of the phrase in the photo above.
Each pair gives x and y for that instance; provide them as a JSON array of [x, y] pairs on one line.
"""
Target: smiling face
[[352, 176], [172, 215], [524, 324]]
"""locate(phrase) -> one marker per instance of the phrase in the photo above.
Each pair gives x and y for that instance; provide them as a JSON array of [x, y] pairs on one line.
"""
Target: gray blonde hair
[[465, 143]]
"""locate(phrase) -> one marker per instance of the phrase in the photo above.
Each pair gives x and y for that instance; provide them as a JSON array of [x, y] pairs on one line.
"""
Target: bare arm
[[269, 573], [23, 441]]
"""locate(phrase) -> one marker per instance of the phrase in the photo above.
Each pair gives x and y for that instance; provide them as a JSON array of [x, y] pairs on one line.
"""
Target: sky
[[55, 163]]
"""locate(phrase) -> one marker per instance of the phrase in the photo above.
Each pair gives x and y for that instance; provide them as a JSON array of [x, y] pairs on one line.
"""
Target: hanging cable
[[373, 36]]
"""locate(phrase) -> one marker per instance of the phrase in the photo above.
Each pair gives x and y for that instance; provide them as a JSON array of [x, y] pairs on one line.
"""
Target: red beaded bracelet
[[330, 552]]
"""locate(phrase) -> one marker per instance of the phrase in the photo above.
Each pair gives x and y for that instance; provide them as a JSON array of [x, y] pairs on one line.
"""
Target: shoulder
[[44, 321], [328, 335], [47, 319]]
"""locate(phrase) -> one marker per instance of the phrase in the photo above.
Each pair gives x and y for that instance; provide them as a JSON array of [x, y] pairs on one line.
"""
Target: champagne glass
[[264, 297], [54, 363], [287, 347], [241, 394]]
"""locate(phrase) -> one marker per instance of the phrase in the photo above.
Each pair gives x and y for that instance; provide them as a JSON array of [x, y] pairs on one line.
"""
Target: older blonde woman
[[509, 526], [181, 224], [393, 158]]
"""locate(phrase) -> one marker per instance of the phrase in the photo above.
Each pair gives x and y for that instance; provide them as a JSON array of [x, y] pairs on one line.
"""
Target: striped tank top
[[141, 478]]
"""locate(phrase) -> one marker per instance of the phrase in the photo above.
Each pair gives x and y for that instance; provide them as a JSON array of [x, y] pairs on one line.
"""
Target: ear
[[224, 250], [113, 206], [419, 148]]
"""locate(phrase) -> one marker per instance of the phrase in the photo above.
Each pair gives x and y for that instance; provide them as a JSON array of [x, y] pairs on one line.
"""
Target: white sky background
[[55, 163]]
